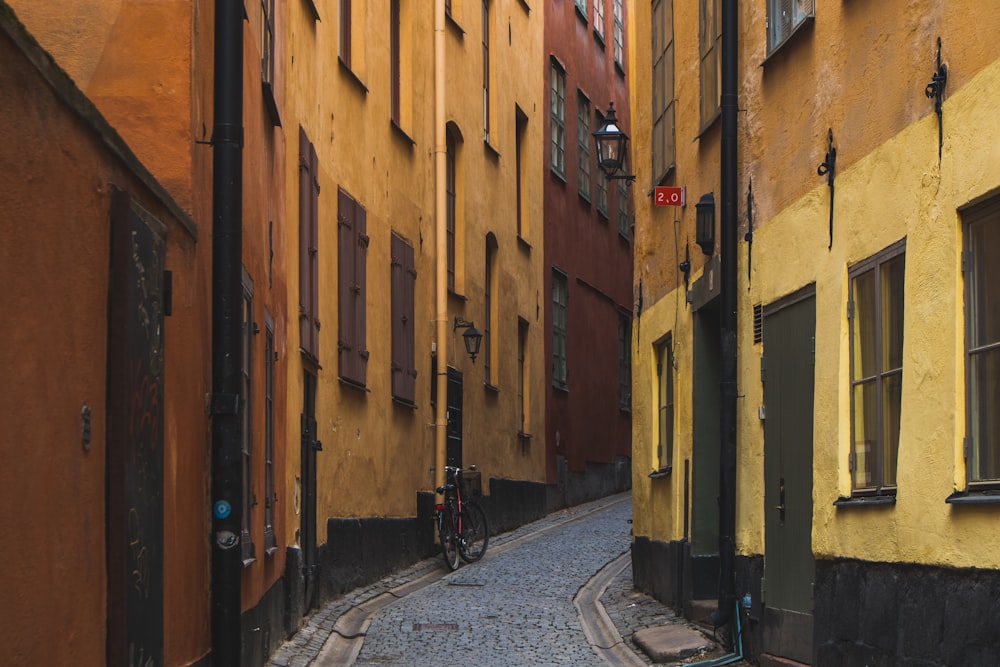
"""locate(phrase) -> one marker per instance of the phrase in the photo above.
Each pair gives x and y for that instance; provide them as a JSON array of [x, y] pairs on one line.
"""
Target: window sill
[[580, 14], [620, 69], [401, 133], [599, 38], [562, 388], [779, 47], [353, 384], [661, 473], [453, 24], [709, 124], [492, 388], [523, 243], [558, 175], [352, 76], [526, 6], [404, 402], [311, 4], [603, 213], [984, 497], [865, 501], [270, 103], [585, 197], [457, 295], [492, 150]]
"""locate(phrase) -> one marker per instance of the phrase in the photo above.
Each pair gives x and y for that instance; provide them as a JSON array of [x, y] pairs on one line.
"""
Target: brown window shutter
[[345, 279], [314, 252], [410, 282], [398, 317], [361, 289], [308, 275]]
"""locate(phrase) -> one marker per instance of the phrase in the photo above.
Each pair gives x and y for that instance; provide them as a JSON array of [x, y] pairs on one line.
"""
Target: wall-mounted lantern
[[472, 336], [705, 223], [612, 144]]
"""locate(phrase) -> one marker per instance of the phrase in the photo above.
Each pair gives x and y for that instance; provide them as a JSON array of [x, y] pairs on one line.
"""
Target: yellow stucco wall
[[377, 455], [889, 186]]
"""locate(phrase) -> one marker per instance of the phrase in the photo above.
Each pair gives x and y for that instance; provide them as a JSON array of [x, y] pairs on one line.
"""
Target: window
[[602, 180], [486, 71], [352, 250], [522, 376], [521, 131], [451, 196], [982, 279], [246, 405], [403, 277], [623, 226], [663, 88], [345, 32], [784, 17], [308, 248], [709, 46], [665, 400], [599, 19], [581, 8], [560, 299], [557, 111], [583, 140], [270, 543], [875, 310], [619, 33], [267, 58], [624, 360], [490, 358], [394, 55]]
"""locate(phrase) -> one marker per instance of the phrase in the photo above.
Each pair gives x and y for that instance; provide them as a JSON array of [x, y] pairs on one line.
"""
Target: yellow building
[[387, 151], [867, 437]]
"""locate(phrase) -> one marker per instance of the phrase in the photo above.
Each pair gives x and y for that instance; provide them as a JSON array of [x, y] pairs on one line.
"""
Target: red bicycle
[[462, 526]]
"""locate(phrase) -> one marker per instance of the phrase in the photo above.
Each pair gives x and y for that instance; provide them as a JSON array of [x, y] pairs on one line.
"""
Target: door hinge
[[763, 373]]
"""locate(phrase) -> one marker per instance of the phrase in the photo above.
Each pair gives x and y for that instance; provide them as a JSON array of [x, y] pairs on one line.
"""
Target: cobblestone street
[[513, 608]]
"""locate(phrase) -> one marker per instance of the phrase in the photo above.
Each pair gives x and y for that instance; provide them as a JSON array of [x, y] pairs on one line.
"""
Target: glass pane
[[985, 242], [865, 434], [892, 313], [863, 295], [984, 463], [892, 392]]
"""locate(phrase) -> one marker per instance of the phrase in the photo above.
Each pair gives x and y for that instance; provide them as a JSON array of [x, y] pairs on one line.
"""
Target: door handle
[[781, 498]]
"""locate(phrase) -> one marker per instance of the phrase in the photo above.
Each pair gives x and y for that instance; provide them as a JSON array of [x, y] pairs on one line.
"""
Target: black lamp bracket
[[461, 322], [748, 237], [829, 169], [935, 91]]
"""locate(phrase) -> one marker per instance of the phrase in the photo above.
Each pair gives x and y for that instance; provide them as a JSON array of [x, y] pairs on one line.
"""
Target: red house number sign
[[666, 195]]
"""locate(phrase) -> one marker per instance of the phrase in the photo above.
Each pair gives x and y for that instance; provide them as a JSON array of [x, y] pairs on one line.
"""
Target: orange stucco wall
[[57, 174]]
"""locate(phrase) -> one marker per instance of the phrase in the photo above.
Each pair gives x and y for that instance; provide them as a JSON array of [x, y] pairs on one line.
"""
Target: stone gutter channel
[[334, 635]]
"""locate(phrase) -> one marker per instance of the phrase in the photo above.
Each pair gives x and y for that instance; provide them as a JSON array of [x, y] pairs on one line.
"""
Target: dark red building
[[588, 256]]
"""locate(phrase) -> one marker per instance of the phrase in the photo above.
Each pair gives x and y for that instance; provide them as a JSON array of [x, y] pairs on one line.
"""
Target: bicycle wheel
[[449, 537], [475, 533]]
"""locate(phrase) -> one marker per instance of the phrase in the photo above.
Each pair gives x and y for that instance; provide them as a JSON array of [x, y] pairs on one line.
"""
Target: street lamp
[[705, 223], [612, 143], [473, 337]]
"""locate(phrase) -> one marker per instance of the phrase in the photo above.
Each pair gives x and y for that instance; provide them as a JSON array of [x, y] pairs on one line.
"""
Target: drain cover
[[418, 627]]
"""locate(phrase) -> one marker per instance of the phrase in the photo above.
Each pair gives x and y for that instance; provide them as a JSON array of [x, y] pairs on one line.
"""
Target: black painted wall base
[[596, 480], [900, 614], [262, 627]]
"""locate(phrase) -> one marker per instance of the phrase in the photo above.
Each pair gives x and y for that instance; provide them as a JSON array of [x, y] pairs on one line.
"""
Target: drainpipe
[[441, 245], [227, 303], [728, 231]]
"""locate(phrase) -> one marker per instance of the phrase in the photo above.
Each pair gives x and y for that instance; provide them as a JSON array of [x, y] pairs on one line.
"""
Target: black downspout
[[227, 304], [728, 231]]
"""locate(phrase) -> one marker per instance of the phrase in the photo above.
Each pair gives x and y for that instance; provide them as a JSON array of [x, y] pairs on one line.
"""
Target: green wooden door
[[789, 565]]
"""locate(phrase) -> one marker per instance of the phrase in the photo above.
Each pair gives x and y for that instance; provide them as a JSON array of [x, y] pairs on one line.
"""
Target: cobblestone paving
[[511, 608]]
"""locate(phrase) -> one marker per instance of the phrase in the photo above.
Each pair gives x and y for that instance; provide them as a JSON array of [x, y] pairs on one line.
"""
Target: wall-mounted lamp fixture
[[612, 144], [935, 91], [473, 337], [705, 223]]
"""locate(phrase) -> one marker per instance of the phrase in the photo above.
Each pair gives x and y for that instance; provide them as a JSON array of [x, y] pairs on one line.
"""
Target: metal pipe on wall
[[441, 246], [227, 303]]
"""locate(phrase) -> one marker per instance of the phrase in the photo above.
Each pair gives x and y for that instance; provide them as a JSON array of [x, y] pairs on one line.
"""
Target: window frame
[[775, 37], [986, 215], [622, 201], [395, 52], [247, 326], [403, 278], [522, 377], [352, 247], [624, 360], [875, 265], [451, 209], [583, 139], [560, 329], [664, 123], [557, 118], [345, 33], [618, 34], [666, 405], [486, 70], [490, 311], [599, 20], [309, 191], [270, 496], [709, 62]]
